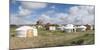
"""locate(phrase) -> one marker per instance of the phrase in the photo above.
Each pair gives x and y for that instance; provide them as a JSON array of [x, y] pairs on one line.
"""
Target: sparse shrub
[[78, 42], [73, 42], [86, 35], [13, 35]]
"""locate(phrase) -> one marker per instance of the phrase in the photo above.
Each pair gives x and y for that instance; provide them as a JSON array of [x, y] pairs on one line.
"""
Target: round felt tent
[[81, 28], [69, 28], [26, 31]]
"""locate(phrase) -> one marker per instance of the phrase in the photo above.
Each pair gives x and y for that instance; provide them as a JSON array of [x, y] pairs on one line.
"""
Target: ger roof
[[24, 28]]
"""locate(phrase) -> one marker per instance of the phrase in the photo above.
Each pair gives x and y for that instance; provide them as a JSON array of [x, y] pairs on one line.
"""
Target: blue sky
[[28, 12]]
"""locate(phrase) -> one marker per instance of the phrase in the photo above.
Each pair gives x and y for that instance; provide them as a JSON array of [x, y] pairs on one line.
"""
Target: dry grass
[[51, 39], [42, 41]]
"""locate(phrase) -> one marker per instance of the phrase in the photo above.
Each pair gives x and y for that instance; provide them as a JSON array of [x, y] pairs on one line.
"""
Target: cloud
[[57, 18], [45, 18], [75, 15], [81, 15], [18, 20], [81, 10], [25, 10], [33, 5], [61, 16]]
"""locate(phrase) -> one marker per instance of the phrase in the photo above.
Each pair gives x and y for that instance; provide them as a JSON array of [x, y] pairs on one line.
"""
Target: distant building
[[49, 26], [52, 28]]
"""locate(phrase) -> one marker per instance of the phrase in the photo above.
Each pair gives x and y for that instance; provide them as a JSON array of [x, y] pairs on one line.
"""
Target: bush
[[86, 35], [78, 42], [73, 42], [13, 35]]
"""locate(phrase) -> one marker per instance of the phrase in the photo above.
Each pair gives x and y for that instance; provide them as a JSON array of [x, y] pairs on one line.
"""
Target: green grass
[[52, 39], [87, 39]]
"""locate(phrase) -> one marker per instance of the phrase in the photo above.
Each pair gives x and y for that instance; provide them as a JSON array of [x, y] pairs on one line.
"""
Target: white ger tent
[[69, 28], [81, 28], [26, 31]]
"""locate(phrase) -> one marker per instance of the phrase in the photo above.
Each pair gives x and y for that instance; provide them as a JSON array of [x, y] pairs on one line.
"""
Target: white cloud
[[81, 10], [32, 5], [45, 18], [61, 16], [18, 20], [57, 18], [23, 12], [81, 15], [25, 9], [76, 15]]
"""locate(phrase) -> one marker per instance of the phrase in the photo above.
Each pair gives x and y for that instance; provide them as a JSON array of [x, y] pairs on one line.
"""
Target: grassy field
[[51, 39]]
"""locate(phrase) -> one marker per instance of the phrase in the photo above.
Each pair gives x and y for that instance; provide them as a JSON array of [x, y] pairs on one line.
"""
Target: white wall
[[21, 33], [52, 28]]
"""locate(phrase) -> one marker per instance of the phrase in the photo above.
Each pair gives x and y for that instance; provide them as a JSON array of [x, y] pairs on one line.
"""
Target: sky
[[28, 12]]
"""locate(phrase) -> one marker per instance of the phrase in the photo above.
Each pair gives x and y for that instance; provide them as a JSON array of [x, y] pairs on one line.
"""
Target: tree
[[88, 27], [47, 26], [39, 22]]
